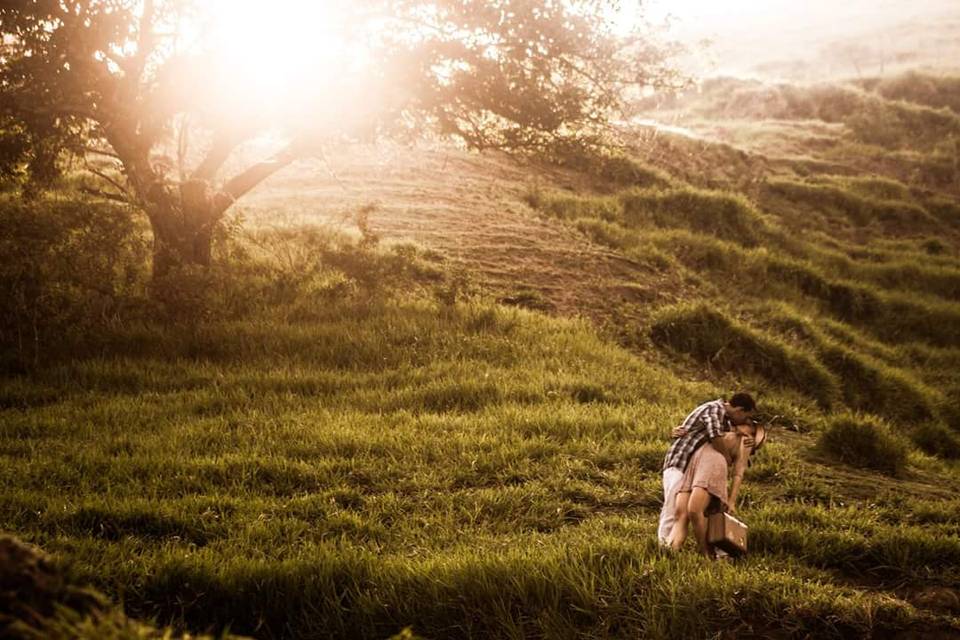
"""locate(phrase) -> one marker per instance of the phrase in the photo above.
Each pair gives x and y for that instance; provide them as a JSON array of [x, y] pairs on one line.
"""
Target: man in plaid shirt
[[706, 423]]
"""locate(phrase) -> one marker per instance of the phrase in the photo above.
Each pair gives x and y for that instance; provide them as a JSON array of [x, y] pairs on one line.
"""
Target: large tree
[[127, 89]]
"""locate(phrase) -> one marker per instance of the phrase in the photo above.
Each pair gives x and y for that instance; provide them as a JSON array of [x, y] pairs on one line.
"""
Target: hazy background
[[814, 39]]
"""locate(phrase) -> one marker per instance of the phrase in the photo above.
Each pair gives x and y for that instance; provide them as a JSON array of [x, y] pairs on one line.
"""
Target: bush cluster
[[864, 442], [861, 204], [614, 167], [936, 439], [292, 272], [72, 269], [709, 335], [919, 88], [724, 215], [67, 265]]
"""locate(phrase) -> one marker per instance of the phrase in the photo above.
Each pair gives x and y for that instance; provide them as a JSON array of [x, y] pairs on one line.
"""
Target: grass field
[[399, 443]]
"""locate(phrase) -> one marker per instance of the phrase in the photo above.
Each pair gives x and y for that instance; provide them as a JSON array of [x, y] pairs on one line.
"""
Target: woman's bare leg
[[679, 532], [696, 508]]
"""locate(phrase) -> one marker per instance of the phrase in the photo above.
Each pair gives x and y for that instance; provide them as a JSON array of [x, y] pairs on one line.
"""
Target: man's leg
[[672, 478]]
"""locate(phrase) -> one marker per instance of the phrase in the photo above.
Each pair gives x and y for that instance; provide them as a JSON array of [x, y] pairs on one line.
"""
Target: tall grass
[[864, 443], [906, 273], [345, 444], [724, 215], [470, 470], [881, 298], [919, 88], [861, 204], [712, 336], [868, 382], [892, 315]]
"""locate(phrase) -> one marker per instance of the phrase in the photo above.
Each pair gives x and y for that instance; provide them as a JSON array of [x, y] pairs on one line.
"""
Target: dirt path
[[471, 209]]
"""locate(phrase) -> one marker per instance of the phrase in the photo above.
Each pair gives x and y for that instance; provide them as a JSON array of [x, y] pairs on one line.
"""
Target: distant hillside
[[822, 220], [819, 40]]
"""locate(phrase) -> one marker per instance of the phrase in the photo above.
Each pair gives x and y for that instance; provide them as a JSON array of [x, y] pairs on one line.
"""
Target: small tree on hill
[[117, 84]]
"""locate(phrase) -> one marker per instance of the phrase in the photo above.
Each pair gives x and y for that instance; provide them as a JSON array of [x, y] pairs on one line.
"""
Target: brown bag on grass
[[727, 533]]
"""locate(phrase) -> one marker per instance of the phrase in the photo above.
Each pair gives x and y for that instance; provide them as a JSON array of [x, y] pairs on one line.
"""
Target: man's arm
[[713, 418], [684, 428]]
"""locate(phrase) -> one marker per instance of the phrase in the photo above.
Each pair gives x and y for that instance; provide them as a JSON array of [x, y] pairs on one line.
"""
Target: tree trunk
[[183, 222], [183, 226]]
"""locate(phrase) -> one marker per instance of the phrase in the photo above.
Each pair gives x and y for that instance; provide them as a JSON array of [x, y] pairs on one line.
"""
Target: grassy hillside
[[353, 440]]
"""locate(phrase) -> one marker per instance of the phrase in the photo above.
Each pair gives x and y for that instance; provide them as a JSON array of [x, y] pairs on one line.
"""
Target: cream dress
[[708, 470]]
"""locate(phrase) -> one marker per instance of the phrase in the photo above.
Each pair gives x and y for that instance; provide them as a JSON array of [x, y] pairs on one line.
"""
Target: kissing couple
[[714, 438]]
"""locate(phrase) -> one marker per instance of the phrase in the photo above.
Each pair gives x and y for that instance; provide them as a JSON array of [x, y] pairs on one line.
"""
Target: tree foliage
[[120, 88]]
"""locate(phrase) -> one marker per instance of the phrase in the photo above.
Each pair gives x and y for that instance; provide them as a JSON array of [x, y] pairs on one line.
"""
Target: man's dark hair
[[744, 401]]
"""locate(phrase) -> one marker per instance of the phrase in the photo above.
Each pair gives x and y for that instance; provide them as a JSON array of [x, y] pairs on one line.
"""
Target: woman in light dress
[[703, 490]]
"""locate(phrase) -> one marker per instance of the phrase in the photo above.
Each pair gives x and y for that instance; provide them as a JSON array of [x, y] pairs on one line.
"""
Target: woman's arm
[[742, 454]]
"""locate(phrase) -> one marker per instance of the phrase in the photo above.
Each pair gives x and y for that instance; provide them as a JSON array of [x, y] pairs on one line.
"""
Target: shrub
[[861, 201], [893, 124], [616, 168], [936, 439], [707, 334], [864, 442], [67, 266], [725, 215], [872, 386], [570, 207], [919, 88]]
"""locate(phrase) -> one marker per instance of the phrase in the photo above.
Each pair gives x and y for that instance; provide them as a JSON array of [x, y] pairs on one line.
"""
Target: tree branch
[[99, 193], [63, 110], [114, 183], [99, 152], [183, 143], [251, 177], [145, 43], [224, 143]]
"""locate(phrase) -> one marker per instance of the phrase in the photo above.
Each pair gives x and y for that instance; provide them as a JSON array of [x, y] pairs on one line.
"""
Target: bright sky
[[722, 10], [285, 43], [749, 33]]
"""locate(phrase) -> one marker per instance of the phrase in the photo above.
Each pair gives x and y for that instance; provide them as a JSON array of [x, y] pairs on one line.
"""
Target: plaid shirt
[[704, 423]]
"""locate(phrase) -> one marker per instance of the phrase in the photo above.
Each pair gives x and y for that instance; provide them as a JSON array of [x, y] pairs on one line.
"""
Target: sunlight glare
[[270, 53], [711, 13]]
